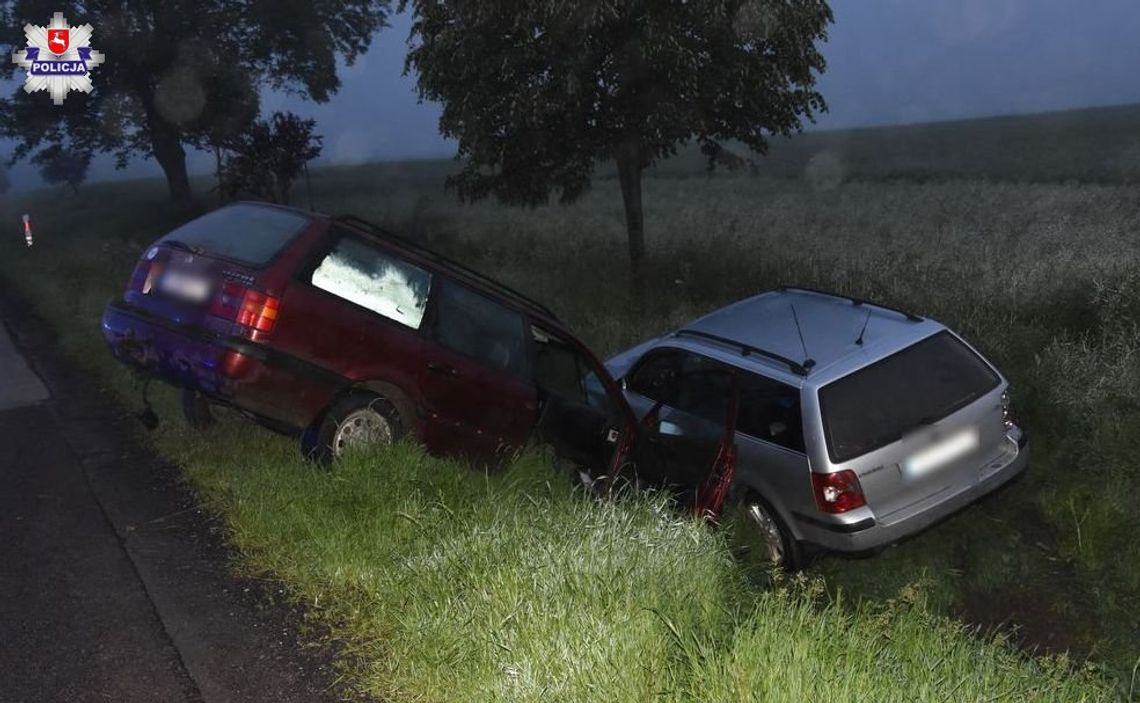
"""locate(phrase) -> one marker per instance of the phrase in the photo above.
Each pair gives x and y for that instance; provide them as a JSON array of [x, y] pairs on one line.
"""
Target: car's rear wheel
[[197, 410], [359, 421], [776, 543]]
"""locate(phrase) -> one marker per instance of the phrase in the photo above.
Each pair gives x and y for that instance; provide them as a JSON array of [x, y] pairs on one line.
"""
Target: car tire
[[197, 410], [784, 550], [358, 420]]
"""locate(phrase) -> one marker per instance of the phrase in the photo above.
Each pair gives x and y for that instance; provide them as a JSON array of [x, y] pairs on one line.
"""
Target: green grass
[[458, 586], [447, 583]]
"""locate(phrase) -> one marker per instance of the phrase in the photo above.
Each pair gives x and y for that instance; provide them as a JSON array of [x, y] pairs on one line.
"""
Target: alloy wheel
[[769, 531]]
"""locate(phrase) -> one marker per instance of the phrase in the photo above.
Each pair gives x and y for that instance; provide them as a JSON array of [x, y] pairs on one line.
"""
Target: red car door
[[689, 434], [475, 380], [582, 414]]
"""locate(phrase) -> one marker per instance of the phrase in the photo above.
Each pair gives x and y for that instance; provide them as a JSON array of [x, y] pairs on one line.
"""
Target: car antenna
[[808, 361], [859, 339]]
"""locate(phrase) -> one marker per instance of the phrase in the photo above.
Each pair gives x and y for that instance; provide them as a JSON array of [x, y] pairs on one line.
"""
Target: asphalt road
[[114, 586]]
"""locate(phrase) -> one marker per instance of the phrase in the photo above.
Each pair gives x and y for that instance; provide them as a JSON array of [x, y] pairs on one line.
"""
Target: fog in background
[[889, 62]]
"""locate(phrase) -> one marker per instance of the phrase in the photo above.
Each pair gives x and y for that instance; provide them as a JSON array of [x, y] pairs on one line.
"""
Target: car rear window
[[250, 234], [919, 385]]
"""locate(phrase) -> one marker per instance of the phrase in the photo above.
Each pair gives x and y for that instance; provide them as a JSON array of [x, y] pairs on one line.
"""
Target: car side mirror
[[669, 429]]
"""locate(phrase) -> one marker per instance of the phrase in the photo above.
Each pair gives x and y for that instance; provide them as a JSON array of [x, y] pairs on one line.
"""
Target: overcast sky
[[889, 61]]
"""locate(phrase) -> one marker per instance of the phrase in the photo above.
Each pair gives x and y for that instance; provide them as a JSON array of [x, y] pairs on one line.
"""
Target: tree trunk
[[166, 143], [629, 163]]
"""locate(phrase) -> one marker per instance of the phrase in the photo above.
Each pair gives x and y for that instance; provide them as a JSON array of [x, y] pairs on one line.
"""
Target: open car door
[[582, 414], [688, 440]]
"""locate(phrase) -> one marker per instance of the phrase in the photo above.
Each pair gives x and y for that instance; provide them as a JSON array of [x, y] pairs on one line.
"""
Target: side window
[[556, 368], [703, 389], [374, 279], [656, 376], [686, 381], [561, 370], [596, 394], [478, 327], [770, 411]]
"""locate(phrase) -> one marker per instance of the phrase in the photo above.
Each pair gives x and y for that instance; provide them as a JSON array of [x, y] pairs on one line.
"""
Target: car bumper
[[175, 353], [868, 534], [233, 370]]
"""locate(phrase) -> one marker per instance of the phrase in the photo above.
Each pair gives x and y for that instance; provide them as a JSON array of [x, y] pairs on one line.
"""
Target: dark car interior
[[579, 424]]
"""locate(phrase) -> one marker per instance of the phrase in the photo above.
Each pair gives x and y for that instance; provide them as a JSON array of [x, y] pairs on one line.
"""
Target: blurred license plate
[[938, 455], [186, 286]]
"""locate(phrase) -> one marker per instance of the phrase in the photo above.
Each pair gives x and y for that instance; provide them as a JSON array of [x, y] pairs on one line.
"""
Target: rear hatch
[[916, 427], [209, 272]]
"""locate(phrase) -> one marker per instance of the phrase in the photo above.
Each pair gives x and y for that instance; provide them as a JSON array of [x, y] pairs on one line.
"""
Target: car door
[[474, 380], [770, 442], [355, 311], [689, 428], [582, 415]]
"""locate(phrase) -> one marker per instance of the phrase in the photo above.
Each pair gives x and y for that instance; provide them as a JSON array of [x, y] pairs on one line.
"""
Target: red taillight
[[258, 311], [248, 307], [837, 492]]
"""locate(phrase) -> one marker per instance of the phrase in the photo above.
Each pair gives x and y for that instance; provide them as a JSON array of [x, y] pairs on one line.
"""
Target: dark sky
[[889, 61]]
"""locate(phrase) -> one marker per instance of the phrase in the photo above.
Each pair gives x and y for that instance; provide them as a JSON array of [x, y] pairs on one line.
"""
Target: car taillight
[[258, 311], [837, 492], [1008, 416], [246, 306]]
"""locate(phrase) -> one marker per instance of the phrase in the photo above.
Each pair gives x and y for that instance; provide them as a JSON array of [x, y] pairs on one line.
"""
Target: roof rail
[[854, 301], [798, 368], [438, 258]]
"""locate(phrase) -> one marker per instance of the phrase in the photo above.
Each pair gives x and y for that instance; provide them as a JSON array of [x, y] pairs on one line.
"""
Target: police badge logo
[[58, 58]]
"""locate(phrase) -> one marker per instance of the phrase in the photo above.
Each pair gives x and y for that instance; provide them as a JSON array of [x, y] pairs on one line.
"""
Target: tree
[[183, 72], [59, 165], [537, 93], [266, 159]]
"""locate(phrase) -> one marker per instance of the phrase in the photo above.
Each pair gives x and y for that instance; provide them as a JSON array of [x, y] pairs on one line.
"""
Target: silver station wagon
[[833, 422]]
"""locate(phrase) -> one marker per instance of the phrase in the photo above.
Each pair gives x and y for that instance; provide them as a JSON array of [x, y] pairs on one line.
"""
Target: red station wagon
[[345, 334]]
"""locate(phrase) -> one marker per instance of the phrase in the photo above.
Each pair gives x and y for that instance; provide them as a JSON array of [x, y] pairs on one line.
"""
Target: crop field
[[444, 584]]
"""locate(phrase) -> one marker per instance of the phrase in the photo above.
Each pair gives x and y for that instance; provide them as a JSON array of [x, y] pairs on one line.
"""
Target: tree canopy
[[538, 93], [63, 166], [265, 159], [183, 72]]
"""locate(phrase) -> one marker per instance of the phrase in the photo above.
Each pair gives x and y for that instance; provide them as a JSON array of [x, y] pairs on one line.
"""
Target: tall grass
[[457, 586]]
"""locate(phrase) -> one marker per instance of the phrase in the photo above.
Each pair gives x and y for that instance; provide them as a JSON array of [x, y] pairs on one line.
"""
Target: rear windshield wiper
[[175, 244]]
